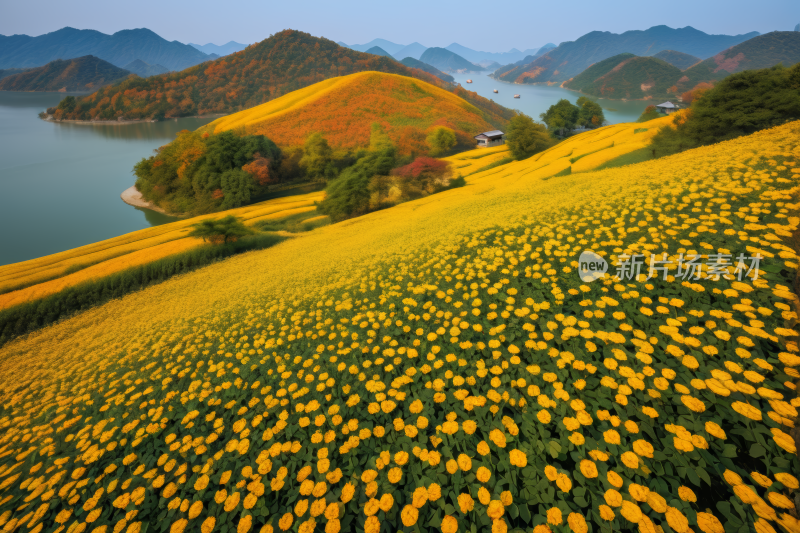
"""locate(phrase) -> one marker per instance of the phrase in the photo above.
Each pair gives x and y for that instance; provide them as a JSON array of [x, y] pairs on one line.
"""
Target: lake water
[[60, 183], [535, 99]]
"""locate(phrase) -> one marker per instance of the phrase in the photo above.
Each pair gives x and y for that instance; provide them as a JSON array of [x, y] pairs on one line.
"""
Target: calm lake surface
[[535, 99], [60, 183]]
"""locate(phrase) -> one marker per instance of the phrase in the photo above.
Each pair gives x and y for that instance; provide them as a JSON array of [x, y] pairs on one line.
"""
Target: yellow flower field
[[440, 366], [136, 248]]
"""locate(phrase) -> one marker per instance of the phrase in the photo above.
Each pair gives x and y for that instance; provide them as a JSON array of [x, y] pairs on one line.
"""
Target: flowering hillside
[[440, 366], [344, 108]]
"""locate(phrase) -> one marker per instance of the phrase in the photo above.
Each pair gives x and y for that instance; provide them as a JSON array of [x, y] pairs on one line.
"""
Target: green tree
[[561, 117], [441, 140], [650, 112], [349, 194], [222, 230], [67, 105], [317, 158], [526, 137], [590, 114]]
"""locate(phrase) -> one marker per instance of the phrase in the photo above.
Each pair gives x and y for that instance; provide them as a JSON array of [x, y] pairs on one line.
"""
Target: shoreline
[[124, 122], [133, 197]]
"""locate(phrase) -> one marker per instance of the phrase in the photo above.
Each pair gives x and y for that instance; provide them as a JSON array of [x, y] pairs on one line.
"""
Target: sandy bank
[[132, 196]]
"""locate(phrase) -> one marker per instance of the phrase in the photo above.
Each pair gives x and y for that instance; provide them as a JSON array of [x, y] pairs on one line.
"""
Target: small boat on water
[[516, 96], [469, 81], [495, 90]]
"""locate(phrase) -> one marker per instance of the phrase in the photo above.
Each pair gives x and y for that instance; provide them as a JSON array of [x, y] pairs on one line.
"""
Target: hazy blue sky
[[484, 25]]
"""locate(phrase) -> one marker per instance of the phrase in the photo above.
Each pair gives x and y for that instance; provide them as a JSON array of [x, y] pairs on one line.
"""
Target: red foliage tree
[[258, 168]]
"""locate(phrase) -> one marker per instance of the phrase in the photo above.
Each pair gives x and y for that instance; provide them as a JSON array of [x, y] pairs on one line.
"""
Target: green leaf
[[757, 450], [729, 450]]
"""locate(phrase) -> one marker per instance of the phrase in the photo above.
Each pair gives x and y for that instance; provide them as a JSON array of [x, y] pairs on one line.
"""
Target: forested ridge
[[284, 62]]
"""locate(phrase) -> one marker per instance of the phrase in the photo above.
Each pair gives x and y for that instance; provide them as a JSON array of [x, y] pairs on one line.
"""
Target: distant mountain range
[[447, 61], [416, 63], [228, 48], [119, 49], [145, 70], [10, 72], [633, 77], [415, 50], [87, 73], [573, 57], [677, 59]]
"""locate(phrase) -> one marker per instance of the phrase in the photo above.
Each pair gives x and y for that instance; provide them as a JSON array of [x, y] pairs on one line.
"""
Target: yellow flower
[[483, 474], [787, 480], [563, 482], [449, 524], [606, 513], [466, 503], [483, 496], [495, 509], [419, 497], [686, 494], [588, 469], [347, 492], [577, 523], [464, 462], [286, 521], [676, 520], [409, 515], [245, 524], [630, 511], [371, 507], [543, 416], [195, 509], [554, 516], [498, 438], [483, 448], [643, 448], [630, 459], [208, 525], [614, 478], [638, 492], [518, 458], [451, 466], [506, 498], [371, 525], [434, 492], [613, 498]]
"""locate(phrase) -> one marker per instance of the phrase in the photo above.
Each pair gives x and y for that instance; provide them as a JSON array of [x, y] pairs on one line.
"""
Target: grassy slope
[[86, 73], [50, 274], [502, 232], [759, 52], [626, 76], [344, 108]]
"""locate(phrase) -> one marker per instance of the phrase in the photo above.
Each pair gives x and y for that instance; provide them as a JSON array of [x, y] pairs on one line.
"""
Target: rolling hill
[[677, 59], [84, 74], [626, 76], [447, 61], [378, 51], [434, 349], [415, 63], [573, 57], [145, 70], [118, 49], [759, 52], [344, 108], [287, 61]]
